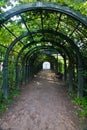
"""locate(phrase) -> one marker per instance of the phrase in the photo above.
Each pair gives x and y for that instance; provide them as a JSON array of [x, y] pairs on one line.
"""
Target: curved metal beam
[[5, 74], [56, 43], [36, 51], [49, 7], [44, 31], [29, 54], [43, 6], [28, 58]]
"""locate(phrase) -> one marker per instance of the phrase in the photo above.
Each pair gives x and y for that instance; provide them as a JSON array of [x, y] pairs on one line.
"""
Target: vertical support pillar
[[29, 72], [70, 77], [22, 73], [57, 63], [24, 76], [25, 72], [17, 76], [65, 69], [80, 82], [5, 80], [74, 72]]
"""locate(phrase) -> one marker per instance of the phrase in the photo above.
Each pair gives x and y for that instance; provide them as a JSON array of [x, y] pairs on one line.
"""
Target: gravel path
[[42, 105]]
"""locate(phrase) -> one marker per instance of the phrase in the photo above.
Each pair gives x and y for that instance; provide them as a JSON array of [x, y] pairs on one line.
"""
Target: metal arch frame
[[65, 75], [43, 6], [28, 56], [65, 51], [51, 41], [41, 21], [71, 84], [35, 53], [27, 34], [61, 47], [31, 52], [50, 58], [31, 58], [35, 57], [69, 41]]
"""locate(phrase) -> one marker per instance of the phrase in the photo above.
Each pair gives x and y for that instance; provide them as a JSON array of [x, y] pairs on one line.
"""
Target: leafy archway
[[41, 23]]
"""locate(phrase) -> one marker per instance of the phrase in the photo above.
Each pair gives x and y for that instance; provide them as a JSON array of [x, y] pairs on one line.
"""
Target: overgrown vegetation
[[5, 102], [80, 105]]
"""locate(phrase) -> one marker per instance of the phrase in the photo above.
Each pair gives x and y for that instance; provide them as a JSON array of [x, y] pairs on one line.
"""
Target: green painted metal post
[[20, 76], [30, 73], [17, 76], [70, 78], [27, 72], [5, 80], [23, 69], [65, 70], [57, 63], [80, 82], [24, 76], [80, 77]]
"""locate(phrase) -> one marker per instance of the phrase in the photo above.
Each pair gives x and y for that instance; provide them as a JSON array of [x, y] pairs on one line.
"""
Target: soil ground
[[42, 105]]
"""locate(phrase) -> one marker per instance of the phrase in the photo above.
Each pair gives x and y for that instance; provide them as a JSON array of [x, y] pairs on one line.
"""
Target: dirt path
[[42, 105]]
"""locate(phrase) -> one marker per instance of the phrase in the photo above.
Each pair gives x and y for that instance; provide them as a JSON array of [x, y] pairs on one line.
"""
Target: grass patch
[[81, 105], [5, 102], [84, 128]]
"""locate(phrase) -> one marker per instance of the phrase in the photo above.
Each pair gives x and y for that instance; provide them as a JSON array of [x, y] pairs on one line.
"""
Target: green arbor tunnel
[[31, 33]]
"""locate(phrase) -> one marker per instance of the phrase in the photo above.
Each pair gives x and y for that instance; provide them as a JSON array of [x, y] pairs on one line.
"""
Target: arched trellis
[[43, 6], [64, 53], [49, 31], [33, 55], [43, 41], [31, 51], [28, 61], [40, 6], [37, 65], [70, 71]]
